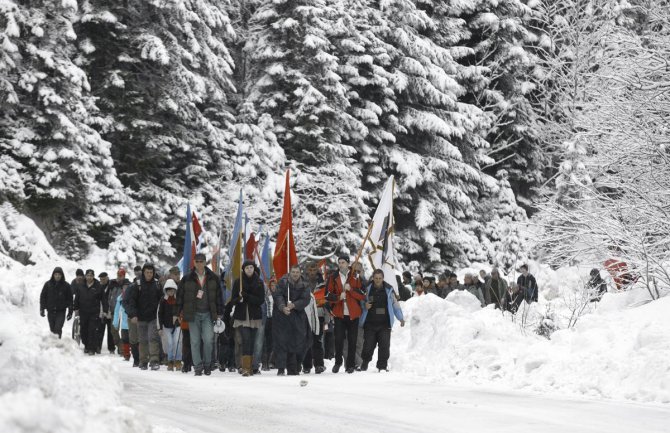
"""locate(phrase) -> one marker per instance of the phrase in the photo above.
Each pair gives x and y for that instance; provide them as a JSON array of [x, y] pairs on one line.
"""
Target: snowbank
[[613, 352], [47, 384]]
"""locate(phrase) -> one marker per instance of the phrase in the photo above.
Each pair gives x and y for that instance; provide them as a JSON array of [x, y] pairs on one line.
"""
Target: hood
[[59, 270], [247, 263]]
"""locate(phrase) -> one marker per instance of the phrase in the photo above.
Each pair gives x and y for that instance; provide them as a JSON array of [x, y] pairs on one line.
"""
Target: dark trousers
[[125, 337], [248, 340], [226, 351], [267, 344], [105, 324], [186, 357], [346, 328], [314, 355], [377, 335], [329, 343], [56, 320], [89, 324], [287, 360]]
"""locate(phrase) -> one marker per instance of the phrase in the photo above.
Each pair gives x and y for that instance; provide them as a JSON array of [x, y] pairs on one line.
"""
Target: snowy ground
[[455, 367], [366, 402]]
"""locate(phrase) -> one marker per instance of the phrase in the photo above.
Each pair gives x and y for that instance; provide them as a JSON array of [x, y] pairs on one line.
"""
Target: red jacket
[[353, 297]]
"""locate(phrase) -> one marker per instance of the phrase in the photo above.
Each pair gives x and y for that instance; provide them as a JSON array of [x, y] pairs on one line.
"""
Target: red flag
[[250, 247], [197, 230], [285, 255]]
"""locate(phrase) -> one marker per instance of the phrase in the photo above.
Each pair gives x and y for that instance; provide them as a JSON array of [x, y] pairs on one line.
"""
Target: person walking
[[55, 300], [345, 294], [290, 329], [90, 305], [142, 307], [199, 301], [248, 296], [381, 307], [168, 320]]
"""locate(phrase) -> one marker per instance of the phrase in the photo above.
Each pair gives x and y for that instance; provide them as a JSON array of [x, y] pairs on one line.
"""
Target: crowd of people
[[194, 322]]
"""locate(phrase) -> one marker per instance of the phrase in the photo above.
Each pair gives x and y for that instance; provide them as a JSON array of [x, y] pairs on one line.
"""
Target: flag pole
[[242, 246], [360, 250], [288, 267]]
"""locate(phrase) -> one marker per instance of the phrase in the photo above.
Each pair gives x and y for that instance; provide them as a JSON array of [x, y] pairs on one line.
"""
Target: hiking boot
[[306, 370], [144, 367], [350, 370], [320, 369], [177, 365], [136, 363], [155, 366], [231, 369], [170, 366], [256, 371], [336, 368], [198, 372], [247, 361], [265, 367], [208, 370], [280, 372], [364, 366]]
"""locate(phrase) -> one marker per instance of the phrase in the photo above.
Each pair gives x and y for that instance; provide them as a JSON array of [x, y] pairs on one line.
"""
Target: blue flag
[[186, 259]]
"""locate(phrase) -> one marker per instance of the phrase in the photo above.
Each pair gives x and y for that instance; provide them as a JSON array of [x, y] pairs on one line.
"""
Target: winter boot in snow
[[170, 366], [126, 351], [155, 366], [364, 366], [143, 367], [320, 369], [280, 372], [177, 366], [246, 365]]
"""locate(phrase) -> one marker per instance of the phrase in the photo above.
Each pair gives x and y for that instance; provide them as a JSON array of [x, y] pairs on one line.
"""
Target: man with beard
[[290, 329]]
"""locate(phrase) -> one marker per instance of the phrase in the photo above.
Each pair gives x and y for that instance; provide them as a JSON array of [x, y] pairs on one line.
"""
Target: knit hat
[[90, 271], [170, 285], [79, 273]]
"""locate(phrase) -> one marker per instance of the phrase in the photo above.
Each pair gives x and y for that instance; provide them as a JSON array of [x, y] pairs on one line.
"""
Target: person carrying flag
[[345, 294]]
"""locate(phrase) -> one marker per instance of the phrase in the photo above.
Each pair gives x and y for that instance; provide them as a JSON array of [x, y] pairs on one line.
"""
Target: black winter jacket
[[88, 300], [56, 296], [253, 297], [142, 300]]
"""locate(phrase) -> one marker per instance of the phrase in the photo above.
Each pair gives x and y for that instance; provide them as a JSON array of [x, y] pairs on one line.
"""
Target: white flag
[[382, 254]]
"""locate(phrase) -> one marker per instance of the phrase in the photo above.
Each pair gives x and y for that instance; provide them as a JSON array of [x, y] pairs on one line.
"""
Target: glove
[[69, 315], [42, 313]]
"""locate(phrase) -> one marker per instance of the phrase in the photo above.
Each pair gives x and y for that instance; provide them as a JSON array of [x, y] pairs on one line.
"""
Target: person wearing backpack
[[142, 307]]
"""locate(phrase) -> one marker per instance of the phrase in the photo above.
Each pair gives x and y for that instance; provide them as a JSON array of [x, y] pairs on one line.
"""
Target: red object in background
[[618, 269]]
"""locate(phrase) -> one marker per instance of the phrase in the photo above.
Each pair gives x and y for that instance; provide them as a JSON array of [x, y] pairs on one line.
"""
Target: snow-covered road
[[366, 402]]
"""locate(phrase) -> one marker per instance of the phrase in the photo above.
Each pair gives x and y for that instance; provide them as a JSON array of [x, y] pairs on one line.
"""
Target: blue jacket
[[394, 307], [120, 311]]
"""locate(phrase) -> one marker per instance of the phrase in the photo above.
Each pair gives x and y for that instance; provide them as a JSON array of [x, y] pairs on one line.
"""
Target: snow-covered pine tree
[[56, 167], [365, 65], [162, 71], [293, 75], [502, 50], [435, 157]]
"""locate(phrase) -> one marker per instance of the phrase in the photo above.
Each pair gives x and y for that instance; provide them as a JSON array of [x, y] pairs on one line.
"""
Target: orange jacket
[[353, 297]]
